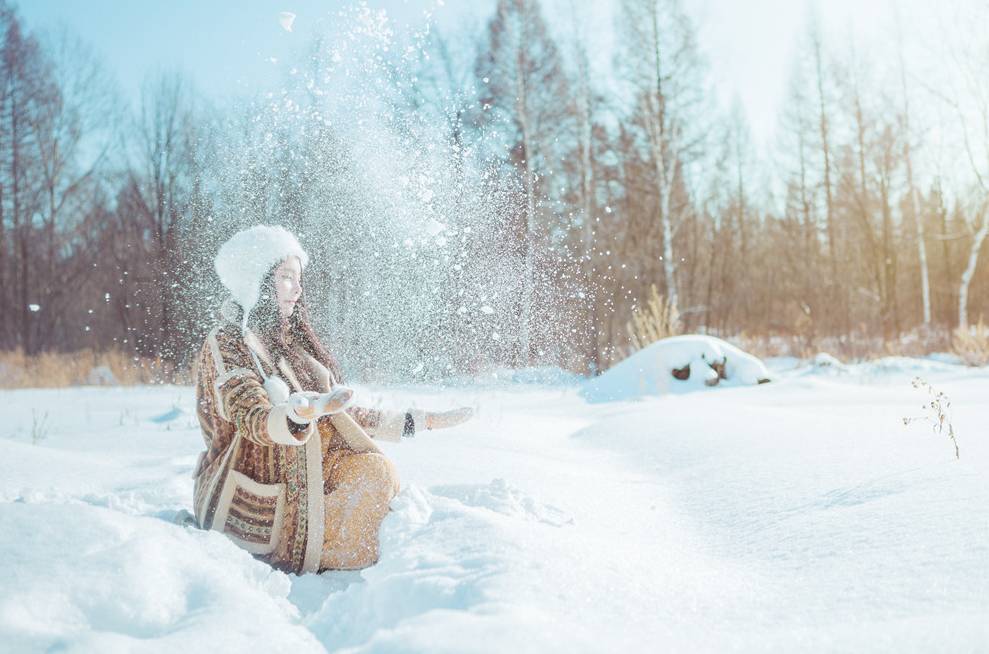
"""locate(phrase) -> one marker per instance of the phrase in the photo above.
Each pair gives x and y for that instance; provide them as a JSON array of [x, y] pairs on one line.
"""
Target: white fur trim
[[278, 428], [245, 259], [316, 523], [199, 464], [214, 348], [203, 507]]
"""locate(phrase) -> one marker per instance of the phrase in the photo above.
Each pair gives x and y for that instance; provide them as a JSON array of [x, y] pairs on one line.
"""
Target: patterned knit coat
[[261, 479]]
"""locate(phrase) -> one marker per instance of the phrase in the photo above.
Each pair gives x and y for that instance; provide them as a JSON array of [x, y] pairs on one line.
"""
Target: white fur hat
[[245, 259]]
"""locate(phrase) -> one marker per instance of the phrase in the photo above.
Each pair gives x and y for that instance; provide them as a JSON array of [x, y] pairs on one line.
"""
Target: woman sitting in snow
[[289, 471]]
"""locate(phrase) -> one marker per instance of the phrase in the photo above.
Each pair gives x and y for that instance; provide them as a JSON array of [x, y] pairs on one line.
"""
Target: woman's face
[[288, 285]]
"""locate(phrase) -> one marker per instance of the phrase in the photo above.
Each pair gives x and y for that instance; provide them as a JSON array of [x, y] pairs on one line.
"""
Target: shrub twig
[[657, 320], [937, 413], [972, 344], [39, 427]]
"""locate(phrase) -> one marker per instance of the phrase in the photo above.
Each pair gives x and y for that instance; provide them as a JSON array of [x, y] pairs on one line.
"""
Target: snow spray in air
[[407, 203]]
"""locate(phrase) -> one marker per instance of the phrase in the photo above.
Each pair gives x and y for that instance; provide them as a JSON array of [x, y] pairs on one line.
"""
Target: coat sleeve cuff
[[394, 425], [390, 427], [418, 421], [278, 427]]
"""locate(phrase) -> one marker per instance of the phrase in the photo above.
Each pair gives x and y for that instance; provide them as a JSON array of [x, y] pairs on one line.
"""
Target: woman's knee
[[372, 471]]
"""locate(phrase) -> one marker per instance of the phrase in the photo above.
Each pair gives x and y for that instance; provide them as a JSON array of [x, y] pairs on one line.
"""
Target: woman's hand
[[308, 406], [452, 418], [301, 405], [335, 401]]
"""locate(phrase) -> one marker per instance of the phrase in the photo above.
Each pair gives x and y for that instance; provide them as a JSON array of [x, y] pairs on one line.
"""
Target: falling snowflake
[[286, 19], [434, 227]]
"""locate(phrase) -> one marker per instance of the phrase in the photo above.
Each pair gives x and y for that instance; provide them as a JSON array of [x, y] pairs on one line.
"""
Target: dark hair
[[279, 335]]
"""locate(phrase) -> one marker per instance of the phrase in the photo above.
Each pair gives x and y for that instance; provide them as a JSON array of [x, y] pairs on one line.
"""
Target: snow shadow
[[442, 553]]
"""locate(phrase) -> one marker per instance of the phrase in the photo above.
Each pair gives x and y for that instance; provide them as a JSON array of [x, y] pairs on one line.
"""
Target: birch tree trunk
[[661, 150], [823, 128], [973, 260], [925, 284]]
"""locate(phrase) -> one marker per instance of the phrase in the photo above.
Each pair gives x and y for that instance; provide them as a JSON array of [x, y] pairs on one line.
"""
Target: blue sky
[[224, 45], [228, 46]]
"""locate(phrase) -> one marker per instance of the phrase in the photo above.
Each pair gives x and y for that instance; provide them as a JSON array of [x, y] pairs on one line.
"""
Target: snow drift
[[676, 365], [798, 516]]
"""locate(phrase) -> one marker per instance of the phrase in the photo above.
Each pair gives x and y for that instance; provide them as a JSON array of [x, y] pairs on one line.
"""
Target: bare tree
[[978, 238], [798, 136], [871, 159], [585, 105], [913, 192], [824, 127], [523, 90], [968, 96], [26, 88], [75, 132], [157, 193], [659, 59]]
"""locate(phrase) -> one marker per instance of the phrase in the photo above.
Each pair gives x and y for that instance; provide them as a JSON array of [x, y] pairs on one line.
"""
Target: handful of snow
[[676, 365]]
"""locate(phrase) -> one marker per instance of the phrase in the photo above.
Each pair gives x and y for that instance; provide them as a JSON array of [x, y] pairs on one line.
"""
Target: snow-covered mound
[[676, 365]]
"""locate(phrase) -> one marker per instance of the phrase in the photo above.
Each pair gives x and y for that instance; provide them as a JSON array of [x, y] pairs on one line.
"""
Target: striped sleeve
[[240, 397]]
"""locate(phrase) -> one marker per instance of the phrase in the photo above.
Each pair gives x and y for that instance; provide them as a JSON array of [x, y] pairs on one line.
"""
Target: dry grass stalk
[[39, 426], [658, 319], [936, 413], [972, 345], [85, 367]]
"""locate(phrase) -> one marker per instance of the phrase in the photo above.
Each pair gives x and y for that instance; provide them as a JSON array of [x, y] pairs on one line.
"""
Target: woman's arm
[[241, 399], [393, 425], [388, 425]]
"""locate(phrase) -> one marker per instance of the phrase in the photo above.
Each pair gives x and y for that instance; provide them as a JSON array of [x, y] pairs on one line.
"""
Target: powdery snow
[[794, 516]]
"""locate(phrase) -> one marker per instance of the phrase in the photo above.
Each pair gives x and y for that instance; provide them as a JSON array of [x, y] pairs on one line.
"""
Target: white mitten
[[307, 406], [333, 402], [300, 409], [452, 418]]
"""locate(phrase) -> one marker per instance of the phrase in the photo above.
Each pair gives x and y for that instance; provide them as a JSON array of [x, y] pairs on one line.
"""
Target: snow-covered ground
[[800, 515]]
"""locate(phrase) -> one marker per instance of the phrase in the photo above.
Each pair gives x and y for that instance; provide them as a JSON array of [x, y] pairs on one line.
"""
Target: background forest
[[481, 198]]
